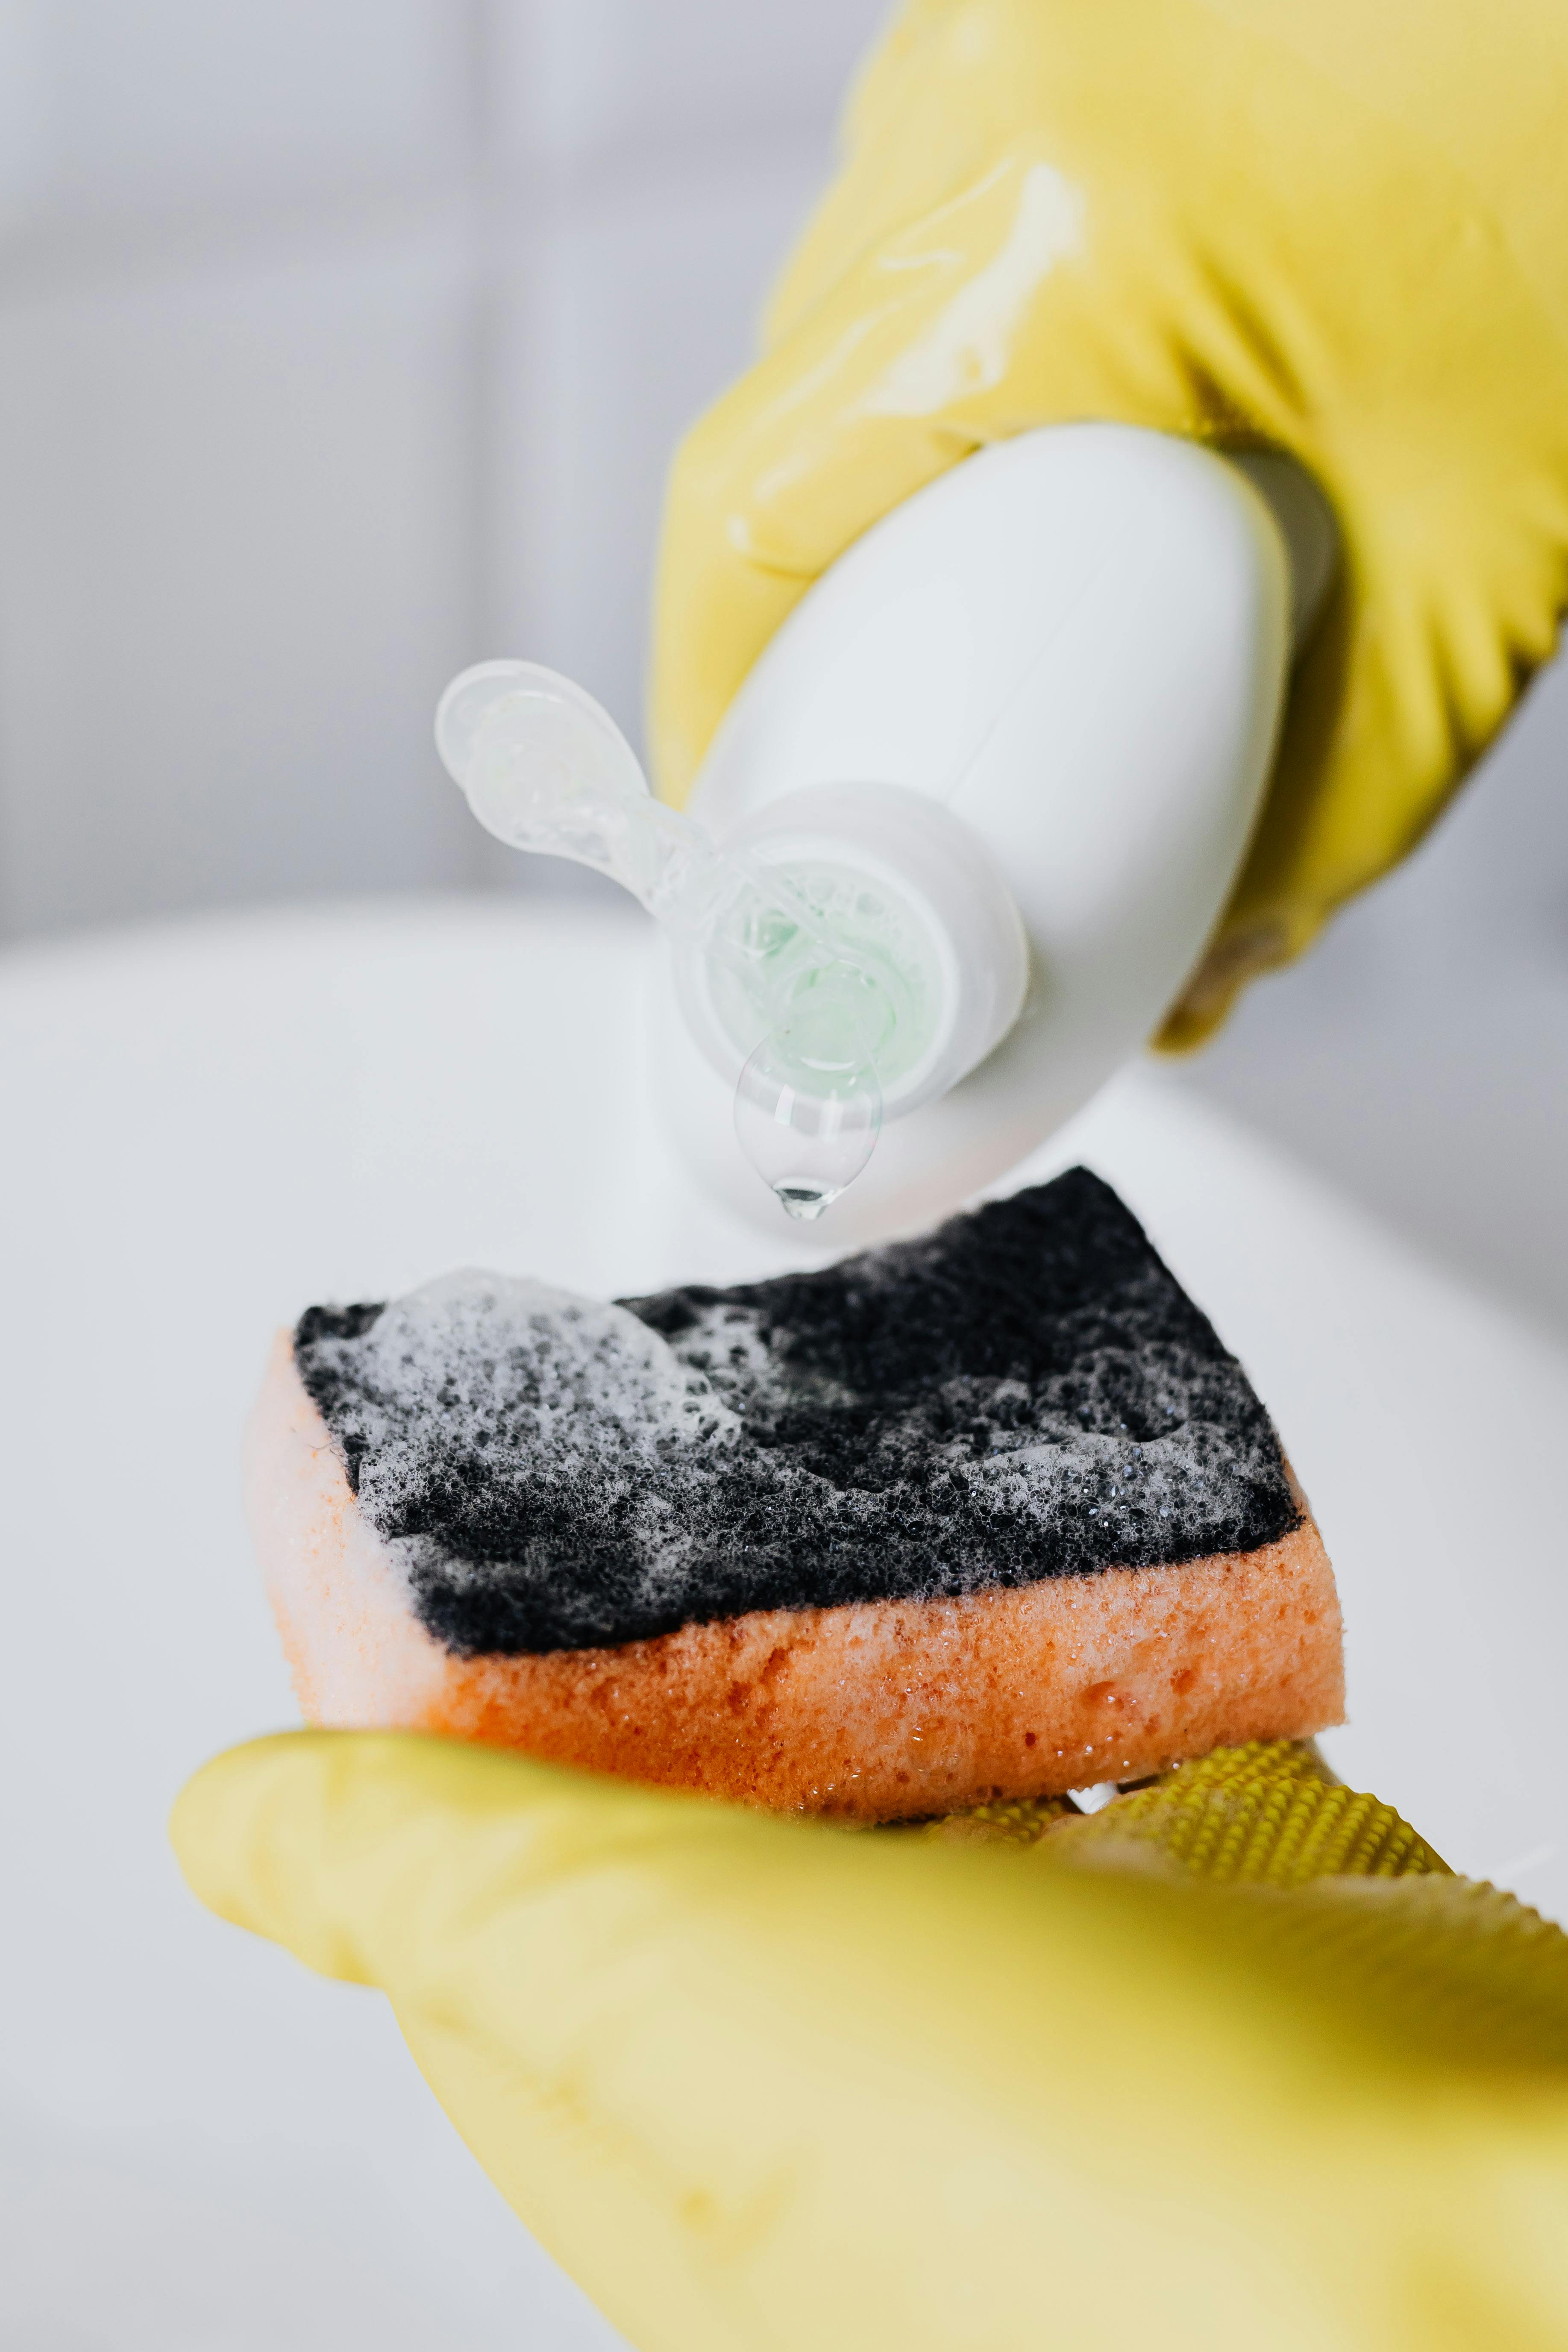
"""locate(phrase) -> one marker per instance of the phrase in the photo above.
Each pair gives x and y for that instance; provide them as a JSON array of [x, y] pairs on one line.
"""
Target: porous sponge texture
[[1026, 1392], [874, 1710]]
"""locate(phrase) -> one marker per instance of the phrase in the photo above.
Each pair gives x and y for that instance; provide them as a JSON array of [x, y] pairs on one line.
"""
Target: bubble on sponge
[[579, 1383]]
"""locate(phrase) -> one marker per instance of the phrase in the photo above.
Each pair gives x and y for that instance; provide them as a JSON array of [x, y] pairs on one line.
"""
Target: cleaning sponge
[[991, 1513]]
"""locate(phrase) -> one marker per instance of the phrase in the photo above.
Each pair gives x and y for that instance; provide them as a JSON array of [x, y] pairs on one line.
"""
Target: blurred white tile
[[234, 573], [578, 78], [24, 144], [622, 323], [142, 101]]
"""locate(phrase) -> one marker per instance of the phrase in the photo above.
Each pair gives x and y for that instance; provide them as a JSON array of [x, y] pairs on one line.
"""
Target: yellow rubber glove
[[1337, 227], [763, 2083]]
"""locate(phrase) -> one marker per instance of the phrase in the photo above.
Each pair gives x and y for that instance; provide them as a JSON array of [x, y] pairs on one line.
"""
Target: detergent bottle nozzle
[[545, 768]]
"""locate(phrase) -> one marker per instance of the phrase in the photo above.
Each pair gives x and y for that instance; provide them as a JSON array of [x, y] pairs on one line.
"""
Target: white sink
[[210, 1126]]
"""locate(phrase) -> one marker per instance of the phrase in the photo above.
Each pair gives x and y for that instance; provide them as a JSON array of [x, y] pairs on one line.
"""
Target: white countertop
[[208, 1126]]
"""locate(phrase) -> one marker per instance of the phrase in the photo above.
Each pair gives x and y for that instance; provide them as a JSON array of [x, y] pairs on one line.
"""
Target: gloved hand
[[1334, 228], [1233, 2063]]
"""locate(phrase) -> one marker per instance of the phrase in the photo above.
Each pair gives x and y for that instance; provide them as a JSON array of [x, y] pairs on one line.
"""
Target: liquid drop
[[808, 1129]]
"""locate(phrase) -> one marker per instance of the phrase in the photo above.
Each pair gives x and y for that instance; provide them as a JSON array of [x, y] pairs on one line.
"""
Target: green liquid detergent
[[823, 987]]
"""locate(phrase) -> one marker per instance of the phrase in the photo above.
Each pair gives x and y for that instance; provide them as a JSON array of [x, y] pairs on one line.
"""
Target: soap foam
[[1026, 1393]]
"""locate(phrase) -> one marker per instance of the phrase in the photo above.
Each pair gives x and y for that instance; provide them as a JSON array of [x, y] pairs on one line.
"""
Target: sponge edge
[[871, 1711]]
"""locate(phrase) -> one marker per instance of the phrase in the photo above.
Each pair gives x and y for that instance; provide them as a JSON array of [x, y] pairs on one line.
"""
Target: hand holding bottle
[[1337, 232]]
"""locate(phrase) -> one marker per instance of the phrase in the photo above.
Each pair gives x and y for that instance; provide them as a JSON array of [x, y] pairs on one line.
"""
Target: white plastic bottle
[[1074, 644], [1002, 762]]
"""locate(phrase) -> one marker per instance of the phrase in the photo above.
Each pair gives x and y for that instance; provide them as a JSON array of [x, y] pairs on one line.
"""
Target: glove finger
[[926, 347], [994, 254]]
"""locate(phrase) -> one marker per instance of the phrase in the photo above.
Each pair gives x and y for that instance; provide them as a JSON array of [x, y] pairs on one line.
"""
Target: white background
[[342, 341]]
